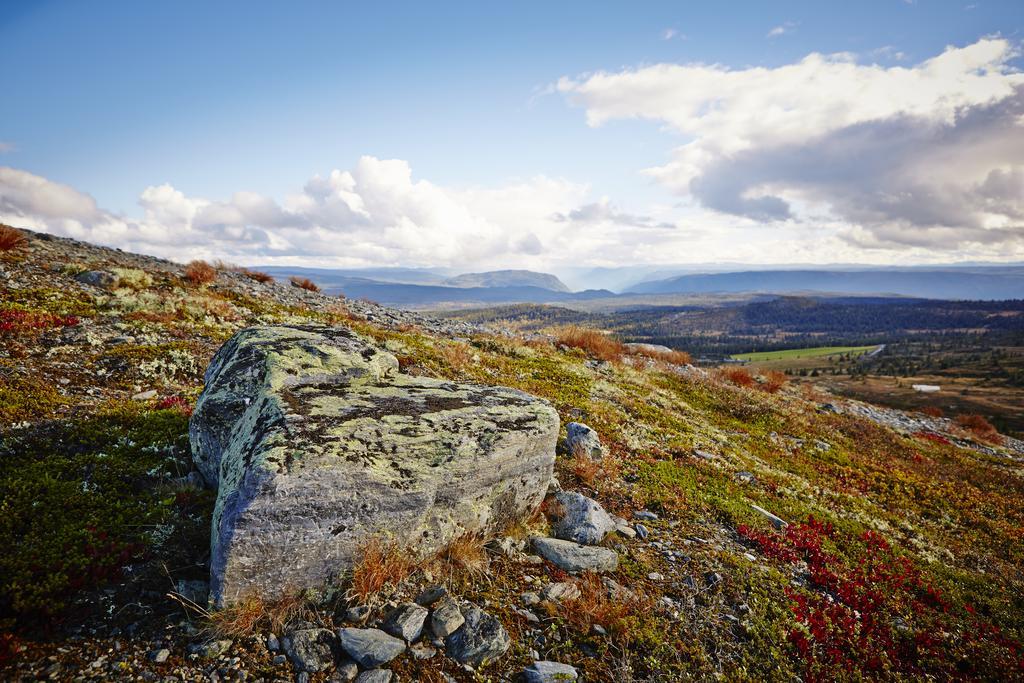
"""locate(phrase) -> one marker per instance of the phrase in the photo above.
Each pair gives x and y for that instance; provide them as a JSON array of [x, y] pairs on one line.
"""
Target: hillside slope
[[900, 558]]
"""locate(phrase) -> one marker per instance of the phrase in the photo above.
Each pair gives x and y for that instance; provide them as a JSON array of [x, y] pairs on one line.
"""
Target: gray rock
[[97, 278], [480, 640], [446, 618], [357, 614], [277, 660], [159, 656], [583, 441], [431, 595], [317, 443], [578, 518], [375, 676], [347, 671], [209, 649], [776, 521], [557, 592], [549, 672], [273, 644], [145, 395], [641, 531], [530, 598], [311, 649], [406, 621], [370, 647], [422, 651], [573, 557], [646, 515]]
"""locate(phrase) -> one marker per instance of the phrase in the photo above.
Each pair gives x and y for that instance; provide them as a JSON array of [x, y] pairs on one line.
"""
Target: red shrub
[[774, 381], [175, 403], [15, 321], [877, 614], [594, 343], [257, 275], [932, 411]]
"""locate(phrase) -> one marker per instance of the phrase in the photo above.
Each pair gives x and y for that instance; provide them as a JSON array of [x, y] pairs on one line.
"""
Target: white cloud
[[669, 34], [781, 30], [929, 155]]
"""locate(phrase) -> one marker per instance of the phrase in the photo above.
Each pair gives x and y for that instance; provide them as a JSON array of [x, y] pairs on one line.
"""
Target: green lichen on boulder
[[317, 443]]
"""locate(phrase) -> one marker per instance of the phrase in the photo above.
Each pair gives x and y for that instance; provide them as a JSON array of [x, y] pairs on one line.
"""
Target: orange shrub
[[979, 426], [739, 376], [594, 343], [774, 381], [200, 273], [304, 283], [257, 275], [12, 239], [670, 356], [932, 411]]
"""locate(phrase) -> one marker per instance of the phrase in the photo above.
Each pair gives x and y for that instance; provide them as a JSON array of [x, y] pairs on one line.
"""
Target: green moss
[[80, 499], [27, 399]]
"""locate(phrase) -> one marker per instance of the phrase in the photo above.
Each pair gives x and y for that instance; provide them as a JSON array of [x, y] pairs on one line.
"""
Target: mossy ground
[[90, 489]]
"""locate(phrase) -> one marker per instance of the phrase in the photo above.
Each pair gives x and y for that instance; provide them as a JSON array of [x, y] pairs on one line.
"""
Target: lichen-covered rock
[[317, 443], [480, 640], [575, 558]]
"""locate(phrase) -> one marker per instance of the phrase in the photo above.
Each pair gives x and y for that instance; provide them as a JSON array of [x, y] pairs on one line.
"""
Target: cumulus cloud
[[930, 155], [781, 29], [375, 213]]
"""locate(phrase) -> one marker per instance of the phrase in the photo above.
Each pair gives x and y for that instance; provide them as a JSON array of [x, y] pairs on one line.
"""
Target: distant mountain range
[[433, 288], [963, 283], [508, 278]]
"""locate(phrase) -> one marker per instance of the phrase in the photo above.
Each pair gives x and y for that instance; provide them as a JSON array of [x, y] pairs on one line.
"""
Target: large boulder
[[317, 443]]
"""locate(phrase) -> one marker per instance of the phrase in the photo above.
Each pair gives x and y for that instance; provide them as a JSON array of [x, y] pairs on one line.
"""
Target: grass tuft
[[200, 273], [594, 343], [304, 283], [12, 239]]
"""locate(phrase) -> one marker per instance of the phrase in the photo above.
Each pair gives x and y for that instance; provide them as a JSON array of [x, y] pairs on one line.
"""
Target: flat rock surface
[[370, 647], [317, 443], [573, 557]]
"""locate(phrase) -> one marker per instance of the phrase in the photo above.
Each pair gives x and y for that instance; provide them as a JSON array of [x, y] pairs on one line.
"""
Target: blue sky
[[212, 99]]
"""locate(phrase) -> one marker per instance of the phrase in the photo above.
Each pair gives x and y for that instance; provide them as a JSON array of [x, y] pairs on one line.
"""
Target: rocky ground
[[699, 530]]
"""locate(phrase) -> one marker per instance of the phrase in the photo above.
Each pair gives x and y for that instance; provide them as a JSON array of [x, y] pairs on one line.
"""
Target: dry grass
[[12, 240], [255, 615], [304, 283], [595, 605], [585, 469], [741, 377], [465, 557], [774, 381], [200, 273], [980, 427], [594, 343], [379, 565], [457, 356]]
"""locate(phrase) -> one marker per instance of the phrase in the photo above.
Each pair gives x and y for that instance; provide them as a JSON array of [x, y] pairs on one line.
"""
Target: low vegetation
[[200, 273], [304, 283], [11, 240]]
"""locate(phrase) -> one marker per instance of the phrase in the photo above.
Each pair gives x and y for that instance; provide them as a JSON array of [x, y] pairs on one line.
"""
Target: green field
[[803, 353]]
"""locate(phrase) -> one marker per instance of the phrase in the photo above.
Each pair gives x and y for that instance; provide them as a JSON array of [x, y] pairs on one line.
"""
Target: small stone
[[144, 395], [301, 677], [273, 644], [573, 557], [431, 595], [97, 278], [712, 578], [599, 630], [549, 672], [746, 477], [655, 576], [641, 531], [583, 441], [370, 647], [625, 530], [347, 671], [406, 621], [777, 522], [704, 455], [557, 592], [529, 598], [646, 515], [375, 676], [311, 649], [446, 619], [422, 651], [279, 660], [480, 640], [749, 557], [357, 614], [578, 518], [159, 656], [209, 649]]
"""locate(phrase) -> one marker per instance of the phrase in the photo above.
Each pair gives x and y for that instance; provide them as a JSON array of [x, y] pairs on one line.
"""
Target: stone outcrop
[[317, 443]]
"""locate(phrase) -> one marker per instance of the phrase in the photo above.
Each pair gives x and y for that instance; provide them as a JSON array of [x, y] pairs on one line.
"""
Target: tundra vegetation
[[900, 556]]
